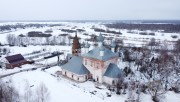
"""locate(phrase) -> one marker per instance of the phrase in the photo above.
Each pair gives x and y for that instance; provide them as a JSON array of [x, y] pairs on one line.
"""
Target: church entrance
[[97, 79]]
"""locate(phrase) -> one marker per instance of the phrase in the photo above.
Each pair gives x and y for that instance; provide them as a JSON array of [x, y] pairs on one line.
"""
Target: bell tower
[[76, 47]]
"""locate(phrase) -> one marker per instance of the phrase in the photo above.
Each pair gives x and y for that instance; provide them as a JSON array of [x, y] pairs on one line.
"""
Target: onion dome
[[100, 38]]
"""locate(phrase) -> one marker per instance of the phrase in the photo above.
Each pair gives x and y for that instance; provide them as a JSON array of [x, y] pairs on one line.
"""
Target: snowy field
[[128, 38], [65, 90]]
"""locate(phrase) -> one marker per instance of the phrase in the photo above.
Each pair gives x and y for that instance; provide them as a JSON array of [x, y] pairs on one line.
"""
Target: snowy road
[[30, 69]]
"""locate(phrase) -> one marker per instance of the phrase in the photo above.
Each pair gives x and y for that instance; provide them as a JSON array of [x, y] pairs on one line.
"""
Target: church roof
[[75, 65], [95, 53], [113, 71]]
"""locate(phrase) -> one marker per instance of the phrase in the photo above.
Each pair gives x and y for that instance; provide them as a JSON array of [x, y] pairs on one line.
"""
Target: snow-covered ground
[[62, 89]]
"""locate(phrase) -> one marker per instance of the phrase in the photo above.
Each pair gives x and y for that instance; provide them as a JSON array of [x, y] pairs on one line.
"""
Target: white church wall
[[109, 80], [76, 77]]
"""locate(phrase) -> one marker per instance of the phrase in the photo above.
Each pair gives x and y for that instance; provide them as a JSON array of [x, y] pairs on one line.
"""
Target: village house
[[99, 64], [13, 61]]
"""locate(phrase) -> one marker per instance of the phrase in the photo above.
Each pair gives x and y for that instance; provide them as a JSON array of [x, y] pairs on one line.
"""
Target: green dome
[[113, 44], [87, 45], [100, 38]]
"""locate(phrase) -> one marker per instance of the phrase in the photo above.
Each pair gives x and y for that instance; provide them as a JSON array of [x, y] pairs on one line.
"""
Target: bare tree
[[152, 43], [28, 93], [42, 93], [11, 39], [156, 90], [8, 93], [177, 46]]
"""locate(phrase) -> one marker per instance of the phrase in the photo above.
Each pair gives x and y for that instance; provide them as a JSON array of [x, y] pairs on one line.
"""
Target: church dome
[[87, 45], [113, 44], [100, 38]]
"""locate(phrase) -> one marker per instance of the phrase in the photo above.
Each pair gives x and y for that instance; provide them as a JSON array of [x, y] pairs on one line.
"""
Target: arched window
[[97, 65], [113, 82], [65, 73], [97, 79], [85, 62], [91, 63], [72, 76]]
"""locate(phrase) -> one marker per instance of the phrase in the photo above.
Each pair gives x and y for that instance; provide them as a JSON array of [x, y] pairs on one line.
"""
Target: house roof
[[21, 35], [95, 53], [113, 71], [75, 65], [15, 58]]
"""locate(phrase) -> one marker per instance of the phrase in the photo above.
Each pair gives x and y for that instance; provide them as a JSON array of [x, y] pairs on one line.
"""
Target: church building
[[99, 64]]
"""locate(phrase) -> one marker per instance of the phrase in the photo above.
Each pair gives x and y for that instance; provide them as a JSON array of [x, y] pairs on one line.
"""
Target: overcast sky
[[89, 9]]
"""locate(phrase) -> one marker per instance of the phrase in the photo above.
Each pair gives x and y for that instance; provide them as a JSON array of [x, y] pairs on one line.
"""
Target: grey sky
[[89, 9]]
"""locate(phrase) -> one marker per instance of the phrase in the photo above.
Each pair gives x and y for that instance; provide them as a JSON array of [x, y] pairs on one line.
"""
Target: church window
[[91, 63], [97, 65], [85, 62], [113, 82]]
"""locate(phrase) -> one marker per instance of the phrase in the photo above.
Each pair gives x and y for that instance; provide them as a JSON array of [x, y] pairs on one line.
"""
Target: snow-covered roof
[[113, 71], [75, 65], [95, 53]]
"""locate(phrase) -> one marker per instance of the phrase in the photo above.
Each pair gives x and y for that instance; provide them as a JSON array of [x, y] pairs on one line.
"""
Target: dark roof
[[17, 62], [113, 71], [15, 58], [38, 34], [75, 65], [95, 53], [21, 35]]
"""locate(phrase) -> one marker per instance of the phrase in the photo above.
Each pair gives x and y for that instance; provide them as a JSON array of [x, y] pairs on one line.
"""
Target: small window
[[65, 73], [91, 63], [97, 65], [85, 62], [78, 78], [113, 82], [72, 76]]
